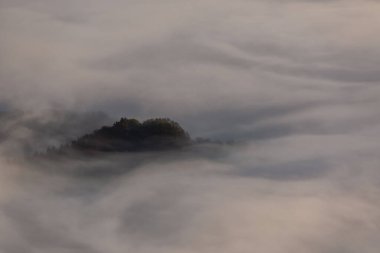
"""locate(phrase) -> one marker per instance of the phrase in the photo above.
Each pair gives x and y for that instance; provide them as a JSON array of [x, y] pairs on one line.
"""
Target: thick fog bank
[[292, 194], [294, 82]]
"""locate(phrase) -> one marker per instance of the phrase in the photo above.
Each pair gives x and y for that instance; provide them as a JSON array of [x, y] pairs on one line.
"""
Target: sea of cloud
[[293, 194], [295, 83]]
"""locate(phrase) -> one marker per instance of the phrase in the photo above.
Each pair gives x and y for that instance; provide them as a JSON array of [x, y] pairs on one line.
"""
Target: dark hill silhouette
[[129, 135]]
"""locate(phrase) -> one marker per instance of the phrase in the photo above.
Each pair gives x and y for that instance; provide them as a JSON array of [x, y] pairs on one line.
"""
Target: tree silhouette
[[131, 135]]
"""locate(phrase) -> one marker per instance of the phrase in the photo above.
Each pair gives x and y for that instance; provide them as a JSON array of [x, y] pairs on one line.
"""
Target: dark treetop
[[129, 135]]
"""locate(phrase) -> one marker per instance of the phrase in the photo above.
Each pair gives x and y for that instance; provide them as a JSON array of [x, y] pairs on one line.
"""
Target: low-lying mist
[[302, 193], [294, 84]]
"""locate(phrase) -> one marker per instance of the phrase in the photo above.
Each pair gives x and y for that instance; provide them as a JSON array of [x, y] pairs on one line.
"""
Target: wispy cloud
[[296, 82]]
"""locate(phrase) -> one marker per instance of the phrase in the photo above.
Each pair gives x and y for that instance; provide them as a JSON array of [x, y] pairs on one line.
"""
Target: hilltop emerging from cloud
[[130, 135]]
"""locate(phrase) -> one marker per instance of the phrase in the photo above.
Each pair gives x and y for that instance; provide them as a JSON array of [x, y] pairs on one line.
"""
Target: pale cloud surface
[[294, 82]]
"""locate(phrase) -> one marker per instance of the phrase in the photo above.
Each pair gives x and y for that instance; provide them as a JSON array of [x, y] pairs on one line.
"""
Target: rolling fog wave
[[256, 196], [295, 83]]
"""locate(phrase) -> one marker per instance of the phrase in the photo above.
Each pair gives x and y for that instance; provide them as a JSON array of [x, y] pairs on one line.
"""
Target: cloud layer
[[296, 81]]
